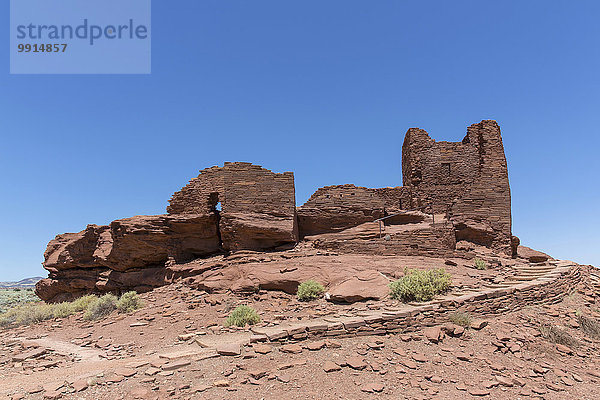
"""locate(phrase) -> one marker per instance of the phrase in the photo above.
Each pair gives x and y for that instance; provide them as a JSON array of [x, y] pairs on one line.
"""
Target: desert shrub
[[557, 335], [83, 302], [28, 314], [420, 285], [243, 315], [310, 290], [101, 307], [129, 302], [460, 318], [480, 264], [31, 313], [589, 326], [6, 320], [63, 310]]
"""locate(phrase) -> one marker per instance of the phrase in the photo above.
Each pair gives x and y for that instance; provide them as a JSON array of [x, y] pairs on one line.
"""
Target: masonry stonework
[[466, 180], [258, 207]]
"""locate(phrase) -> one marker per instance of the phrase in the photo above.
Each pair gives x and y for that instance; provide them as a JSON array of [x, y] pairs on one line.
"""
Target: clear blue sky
[[326, 89]]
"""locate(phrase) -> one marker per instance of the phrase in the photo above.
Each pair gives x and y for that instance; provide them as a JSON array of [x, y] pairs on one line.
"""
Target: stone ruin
[[451, 192]]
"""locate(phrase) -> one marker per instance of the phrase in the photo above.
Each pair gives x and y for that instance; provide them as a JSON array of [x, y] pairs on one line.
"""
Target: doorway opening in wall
[[215, 206]]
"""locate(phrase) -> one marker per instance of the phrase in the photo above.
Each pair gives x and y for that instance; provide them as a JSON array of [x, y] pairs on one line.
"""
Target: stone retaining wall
[[548, 289]]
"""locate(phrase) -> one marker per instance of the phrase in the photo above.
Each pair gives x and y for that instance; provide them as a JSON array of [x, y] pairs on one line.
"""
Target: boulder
[[531, 255], [254, 231], [363, 286]]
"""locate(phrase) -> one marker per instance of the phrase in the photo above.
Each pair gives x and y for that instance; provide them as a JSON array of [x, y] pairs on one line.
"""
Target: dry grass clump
[[243, 315], [420, 285], [589, 326], [460, 318], [558, 335], [101, 307], [310, 290]]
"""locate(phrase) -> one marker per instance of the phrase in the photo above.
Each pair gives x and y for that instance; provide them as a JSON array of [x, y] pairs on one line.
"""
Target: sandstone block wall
[[435, 241], [494, 301], [334, 208], [467, 180], [258, 206]]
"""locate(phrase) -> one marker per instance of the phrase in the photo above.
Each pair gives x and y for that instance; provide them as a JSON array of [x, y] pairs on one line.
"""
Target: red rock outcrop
[[126, 254]]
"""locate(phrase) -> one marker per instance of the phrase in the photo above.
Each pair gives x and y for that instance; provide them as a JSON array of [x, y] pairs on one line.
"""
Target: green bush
[[420, 285], [243, 315], [310, 290], [63, 310], [129, 302], [83, 302], [27, 314], [460, 318], [101, 307], [480, 264]]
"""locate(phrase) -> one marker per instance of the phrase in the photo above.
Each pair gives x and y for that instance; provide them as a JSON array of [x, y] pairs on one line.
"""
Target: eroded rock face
[[531, 255], [128, 253], [256, 231]]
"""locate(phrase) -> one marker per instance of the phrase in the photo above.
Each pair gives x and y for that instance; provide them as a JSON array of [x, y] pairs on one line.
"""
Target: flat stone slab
[[229, 349]]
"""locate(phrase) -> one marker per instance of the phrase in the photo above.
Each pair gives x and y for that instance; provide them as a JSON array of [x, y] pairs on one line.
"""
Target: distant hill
[[23, 283]]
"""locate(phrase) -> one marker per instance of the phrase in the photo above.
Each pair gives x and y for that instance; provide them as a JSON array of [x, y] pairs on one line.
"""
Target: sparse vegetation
[[129, 302], [101, 307], [480, 264], [243, 315], [420, 285], [94, 307], [83, 302], [558, 335], [10, 298], [310, 290], [460, 318], [589, 326]]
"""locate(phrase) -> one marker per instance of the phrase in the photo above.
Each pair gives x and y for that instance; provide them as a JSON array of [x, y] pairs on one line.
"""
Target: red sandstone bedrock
[[132, 253], [145, 252]]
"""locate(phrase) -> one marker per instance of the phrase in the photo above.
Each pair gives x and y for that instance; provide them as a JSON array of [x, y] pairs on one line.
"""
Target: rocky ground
[[159, 352]]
